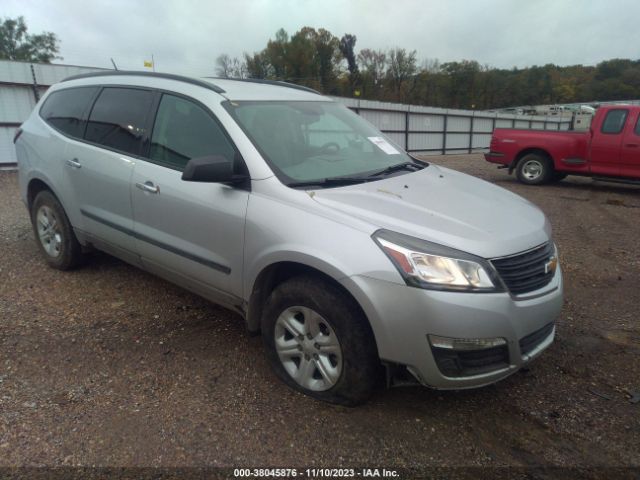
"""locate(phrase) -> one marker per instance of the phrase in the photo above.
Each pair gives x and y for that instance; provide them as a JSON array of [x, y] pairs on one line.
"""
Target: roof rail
[[168, 76], [279, 83]]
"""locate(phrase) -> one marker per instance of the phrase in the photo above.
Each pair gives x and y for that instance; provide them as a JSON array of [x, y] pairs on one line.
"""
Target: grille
[[526, 272], [464, 363], [531, 341]]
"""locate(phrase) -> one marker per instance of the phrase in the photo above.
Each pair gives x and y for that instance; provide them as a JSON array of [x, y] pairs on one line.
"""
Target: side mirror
[[211, 169]]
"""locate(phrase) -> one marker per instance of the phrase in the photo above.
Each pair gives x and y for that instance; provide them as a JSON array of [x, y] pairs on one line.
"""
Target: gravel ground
[[110, 366]]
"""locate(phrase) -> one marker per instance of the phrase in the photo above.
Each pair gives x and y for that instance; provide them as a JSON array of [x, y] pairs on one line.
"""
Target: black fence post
[[406, 130], [36, 95], [471, 131], [444, 134]]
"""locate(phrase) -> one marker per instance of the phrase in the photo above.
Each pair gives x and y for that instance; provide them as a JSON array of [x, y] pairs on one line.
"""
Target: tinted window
[[118, 118], [64, 109], [614, 121], [637, 129], [184, 130]]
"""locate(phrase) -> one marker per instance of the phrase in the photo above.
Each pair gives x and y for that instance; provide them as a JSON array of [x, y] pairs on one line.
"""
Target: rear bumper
[[497, 157]]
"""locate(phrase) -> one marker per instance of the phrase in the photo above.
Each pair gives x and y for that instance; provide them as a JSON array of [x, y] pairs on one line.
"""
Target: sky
[[186, 36]]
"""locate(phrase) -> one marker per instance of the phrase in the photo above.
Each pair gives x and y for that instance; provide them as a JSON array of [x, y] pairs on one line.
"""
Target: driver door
[[191, 233]]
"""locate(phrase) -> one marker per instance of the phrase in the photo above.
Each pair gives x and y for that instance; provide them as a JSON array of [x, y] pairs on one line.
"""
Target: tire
[[54, 234], [339, 362], [534, 169]]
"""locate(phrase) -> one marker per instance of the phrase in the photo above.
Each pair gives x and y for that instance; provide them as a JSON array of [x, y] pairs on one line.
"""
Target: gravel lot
[[110, 366]]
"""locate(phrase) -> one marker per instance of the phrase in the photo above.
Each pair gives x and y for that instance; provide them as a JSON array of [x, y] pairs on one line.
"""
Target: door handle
[[632, 145], [73, 163], [148, 186]]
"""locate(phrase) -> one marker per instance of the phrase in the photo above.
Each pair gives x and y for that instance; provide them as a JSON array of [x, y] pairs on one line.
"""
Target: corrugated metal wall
[[18, 96], [418, 129], [430, 130]]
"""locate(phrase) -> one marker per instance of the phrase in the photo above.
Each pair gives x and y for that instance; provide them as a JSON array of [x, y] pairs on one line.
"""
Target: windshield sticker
[[383, 145]]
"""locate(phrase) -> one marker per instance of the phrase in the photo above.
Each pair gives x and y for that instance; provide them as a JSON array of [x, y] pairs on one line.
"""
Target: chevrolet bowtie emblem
[[551, 265]]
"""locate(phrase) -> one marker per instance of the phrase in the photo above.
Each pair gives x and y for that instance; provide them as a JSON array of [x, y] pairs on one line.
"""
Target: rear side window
[[183, 130], [118, 119], [637, 129], [614, 121], [65, 110]]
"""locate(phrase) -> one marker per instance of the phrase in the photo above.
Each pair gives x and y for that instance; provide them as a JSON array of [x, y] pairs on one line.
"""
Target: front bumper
[[402, 317]]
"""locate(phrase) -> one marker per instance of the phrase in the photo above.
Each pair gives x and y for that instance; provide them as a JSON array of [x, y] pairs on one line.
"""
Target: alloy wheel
[[308, 348]]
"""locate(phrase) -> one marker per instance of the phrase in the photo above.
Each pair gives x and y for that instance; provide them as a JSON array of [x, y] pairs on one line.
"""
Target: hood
[[446, 207]]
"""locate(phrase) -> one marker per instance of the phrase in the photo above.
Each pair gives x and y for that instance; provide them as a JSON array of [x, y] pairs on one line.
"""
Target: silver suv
[[352, 258]]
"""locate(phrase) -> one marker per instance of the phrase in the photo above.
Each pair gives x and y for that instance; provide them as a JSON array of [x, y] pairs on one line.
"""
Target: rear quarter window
[[65, 110]]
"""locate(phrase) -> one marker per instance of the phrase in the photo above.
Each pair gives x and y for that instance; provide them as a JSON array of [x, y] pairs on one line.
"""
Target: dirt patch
[[110, 366]]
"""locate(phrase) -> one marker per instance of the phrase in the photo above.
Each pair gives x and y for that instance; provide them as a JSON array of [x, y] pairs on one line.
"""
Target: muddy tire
[[54, 233], [319, 342]]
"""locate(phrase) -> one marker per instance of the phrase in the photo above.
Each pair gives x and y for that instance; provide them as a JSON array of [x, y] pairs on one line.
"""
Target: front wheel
[[534, 169], [319, 342]]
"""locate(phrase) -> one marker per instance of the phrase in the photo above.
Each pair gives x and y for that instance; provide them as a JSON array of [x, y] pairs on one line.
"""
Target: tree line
[[331, 65]]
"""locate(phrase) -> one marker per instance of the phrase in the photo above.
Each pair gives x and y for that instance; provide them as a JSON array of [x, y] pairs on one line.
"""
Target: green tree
[[374, 67], [258, 65], [402, 67], [347, 48], [17, 44]]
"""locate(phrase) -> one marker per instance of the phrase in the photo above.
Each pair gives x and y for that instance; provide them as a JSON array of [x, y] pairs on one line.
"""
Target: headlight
[[428, 265]]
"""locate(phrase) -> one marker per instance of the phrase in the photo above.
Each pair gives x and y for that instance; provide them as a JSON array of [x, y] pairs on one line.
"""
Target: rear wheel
[[534, 169], [319, 342], [54, 233]]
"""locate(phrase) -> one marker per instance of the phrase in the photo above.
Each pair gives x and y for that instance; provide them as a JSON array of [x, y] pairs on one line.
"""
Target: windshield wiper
[[411, 166], [330, 182]]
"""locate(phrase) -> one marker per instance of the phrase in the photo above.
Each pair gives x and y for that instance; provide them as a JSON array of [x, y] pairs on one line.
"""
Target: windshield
[[309, 141]]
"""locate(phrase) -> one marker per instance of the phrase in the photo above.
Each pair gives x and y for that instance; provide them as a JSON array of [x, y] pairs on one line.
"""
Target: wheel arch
[[34, 187], [278, 272]]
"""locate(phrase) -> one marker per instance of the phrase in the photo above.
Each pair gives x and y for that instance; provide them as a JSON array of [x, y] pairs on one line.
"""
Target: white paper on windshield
[[383, 145]]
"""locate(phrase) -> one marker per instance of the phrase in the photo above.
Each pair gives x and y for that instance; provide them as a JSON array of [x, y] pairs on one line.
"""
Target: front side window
[[183, 130], [309, 141], [64, 110], [118, 118], [614, 121]]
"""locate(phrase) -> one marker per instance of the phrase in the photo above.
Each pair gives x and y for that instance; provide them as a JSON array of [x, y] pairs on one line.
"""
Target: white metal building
[[20, 84]]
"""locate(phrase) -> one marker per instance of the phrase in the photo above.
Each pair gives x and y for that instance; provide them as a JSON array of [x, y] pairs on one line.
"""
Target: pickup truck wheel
[[318, 341], [534, 169], [54, 233]]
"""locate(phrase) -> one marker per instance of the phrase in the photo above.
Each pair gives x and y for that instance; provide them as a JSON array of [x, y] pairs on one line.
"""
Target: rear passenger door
[[66, 112], [100, 168], [189, 232]]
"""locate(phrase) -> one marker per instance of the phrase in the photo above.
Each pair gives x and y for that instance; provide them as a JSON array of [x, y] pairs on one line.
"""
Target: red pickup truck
[[609, 150]]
